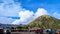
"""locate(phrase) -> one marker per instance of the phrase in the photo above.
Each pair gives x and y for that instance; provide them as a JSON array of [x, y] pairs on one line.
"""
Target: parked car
[[1, 31]]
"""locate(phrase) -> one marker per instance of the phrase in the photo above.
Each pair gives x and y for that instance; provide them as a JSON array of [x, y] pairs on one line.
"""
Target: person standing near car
[[49, 31], [8, 32]]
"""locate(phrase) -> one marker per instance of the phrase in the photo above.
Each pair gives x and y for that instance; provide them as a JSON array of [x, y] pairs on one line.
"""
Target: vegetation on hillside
[[45, 21], [22, 27]]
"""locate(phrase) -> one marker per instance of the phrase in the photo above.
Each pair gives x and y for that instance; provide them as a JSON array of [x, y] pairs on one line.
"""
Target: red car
[[1, 30]]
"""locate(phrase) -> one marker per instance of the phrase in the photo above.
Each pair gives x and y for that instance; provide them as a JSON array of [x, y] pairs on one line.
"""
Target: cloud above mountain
[[27, 16], [24, 16]]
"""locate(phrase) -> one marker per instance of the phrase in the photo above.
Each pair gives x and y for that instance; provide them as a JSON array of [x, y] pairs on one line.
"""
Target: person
[[49, 31], [41, 32], [8, 32], [55, 32]]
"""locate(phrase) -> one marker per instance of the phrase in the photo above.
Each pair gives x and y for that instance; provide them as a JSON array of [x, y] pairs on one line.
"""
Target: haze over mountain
[[45, 21], [2, 25]]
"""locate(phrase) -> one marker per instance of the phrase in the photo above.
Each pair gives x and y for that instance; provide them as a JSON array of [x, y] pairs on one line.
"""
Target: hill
[[45, 21], [7, 25]]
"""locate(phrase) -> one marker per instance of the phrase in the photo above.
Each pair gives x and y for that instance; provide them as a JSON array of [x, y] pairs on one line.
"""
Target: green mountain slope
[[45, 21]]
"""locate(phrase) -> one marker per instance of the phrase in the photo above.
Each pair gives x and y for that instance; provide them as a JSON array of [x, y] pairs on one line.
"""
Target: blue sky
[[50, 5], [25, 11]]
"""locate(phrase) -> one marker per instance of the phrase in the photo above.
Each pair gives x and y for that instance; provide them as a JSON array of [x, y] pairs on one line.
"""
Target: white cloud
[[56, 14], [11, 8], [24, 16], [8, 8], [6, 20], [27, 16], [40, 11]]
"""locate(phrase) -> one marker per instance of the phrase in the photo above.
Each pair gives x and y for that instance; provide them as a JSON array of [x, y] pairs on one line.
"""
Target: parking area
[[24, 33]]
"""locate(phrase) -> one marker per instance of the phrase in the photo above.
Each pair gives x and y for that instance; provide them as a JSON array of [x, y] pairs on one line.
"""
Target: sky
[[25, 11]]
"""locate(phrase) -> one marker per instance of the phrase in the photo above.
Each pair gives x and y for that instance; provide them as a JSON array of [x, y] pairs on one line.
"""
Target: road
[[25, 33]]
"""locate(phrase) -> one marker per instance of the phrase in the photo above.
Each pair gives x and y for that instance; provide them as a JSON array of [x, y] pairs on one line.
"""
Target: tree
[[19, 27]]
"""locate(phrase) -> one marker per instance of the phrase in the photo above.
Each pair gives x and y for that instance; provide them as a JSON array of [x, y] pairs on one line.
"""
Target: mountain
[[7, 25], [45, 21]]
